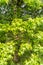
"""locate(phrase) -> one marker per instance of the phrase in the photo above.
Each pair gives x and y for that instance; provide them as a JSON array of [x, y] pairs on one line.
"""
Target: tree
[[21, 32]]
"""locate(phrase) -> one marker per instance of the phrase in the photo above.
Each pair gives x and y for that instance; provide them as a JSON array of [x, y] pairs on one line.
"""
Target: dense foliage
[[21, 32]]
